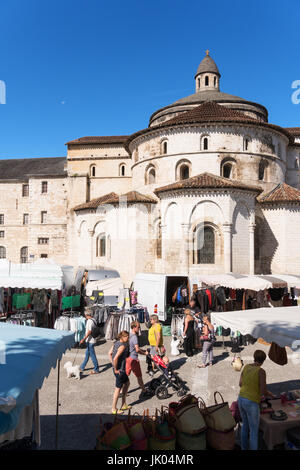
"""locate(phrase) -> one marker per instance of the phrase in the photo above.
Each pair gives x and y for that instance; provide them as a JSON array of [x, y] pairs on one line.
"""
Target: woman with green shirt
[[253, 386]]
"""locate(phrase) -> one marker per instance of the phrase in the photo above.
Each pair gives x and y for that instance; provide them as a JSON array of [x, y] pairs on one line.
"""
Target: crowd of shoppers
[[124, 357]]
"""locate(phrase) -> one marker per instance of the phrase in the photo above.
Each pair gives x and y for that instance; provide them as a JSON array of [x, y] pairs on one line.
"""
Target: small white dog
[[72, 370], [175, 344]]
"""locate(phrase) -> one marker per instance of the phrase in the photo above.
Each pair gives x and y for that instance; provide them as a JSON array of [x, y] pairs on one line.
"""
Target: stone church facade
[[210, 186]]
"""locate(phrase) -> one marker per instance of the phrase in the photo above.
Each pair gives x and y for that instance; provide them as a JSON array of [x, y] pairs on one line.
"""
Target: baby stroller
[[159, 386]]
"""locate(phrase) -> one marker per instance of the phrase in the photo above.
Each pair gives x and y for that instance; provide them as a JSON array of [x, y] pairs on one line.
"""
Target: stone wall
[[226, 142], [18, 235]]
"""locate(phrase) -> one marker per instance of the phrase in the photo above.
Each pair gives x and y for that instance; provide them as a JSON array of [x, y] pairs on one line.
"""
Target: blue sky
[[90, 67]]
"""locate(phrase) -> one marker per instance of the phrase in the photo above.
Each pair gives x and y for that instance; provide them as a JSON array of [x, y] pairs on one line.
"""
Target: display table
[[274, 432], [29, 421]]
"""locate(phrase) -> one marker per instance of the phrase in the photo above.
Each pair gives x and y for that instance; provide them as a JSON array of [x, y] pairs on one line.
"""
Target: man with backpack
[[91, 333]]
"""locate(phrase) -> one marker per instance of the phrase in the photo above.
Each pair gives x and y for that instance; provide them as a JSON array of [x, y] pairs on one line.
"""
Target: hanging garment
[[278, 354], [72, 301], [177, 325], [185, 295], [133, 297], [203, 301], [1, 300], [221, 297], [21, 300], [276, 294], [39, 300]]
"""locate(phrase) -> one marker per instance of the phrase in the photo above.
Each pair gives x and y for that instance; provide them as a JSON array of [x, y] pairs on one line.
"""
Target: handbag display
[[191, 442], [218, 417], [162, 435], [136, 431], [186, 415], [114, 436], [220, 440]]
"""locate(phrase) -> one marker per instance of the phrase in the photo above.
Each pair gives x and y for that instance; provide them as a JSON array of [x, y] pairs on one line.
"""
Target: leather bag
[[278, 354]]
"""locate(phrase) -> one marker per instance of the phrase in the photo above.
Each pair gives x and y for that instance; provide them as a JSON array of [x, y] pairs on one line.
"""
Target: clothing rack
[[71, 314], [23, 317]]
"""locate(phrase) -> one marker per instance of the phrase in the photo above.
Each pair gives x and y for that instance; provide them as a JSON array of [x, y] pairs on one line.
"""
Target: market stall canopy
[[110, 287], [42, 274], [27, 355], [252, 282], [280, 324]]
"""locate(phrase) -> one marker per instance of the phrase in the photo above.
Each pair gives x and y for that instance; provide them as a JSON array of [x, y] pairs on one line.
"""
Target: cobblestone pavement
[[82, 402]]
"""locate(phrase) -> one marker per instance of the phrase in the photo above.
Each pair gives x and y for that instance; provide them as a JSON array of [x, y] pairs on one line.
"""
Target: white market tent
[[252, 282], [280, 325], [41, 274]]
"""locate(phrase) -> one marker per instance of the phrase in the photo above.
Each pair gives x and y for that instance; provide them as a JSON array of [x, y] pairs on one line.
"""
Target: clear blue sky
[[91, 67]]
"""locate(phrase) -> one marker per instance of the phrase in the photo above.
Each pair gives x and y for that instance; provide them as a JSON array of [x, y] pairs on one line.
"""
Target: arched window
[[261, 170], [215, 81], [204, 143], [164, 147], [198, 82], [2, 252], [184, 172], [246, 143], [93, 170], [101, 245], [150, 176], [206, 80], [24, 254], [204, 245], [227, 168], [108, 247], [122, 170]]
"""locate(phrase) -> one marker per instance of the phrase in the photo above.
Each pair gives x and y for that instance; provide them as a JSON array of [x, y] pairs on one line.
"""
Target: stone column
[[251, 248], [227, 247], [185, 249], [91, 254]]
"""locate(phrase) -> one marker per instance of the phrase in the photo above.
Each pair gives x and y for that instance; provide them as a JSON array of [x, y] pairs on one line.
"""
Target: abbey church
[[210, 186]]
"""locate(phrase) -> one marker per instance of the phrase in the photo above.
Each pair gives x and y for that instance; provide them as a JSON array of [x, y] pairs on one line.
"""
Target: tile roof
[[293, 130], [102, 139], [132, 197], [281, 193], [208, 112], [209, 181], [94, 203], [21, 168]]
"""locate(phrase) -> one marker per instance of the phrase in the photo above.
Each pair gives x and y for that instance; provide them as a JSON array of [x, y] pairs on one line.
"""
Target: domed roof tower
[[208, 75], [207, 80]]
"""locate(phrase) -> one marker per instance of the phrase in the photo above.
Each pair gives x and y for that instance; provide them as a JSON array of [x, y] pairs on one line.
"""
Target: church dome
[[207, 65], [207, 81]]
